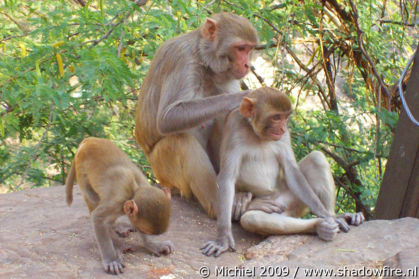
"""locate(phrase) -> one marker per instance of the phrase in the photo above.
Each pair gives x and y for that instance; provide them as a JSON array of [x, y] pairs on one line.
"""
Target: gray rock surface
[[40, 237]]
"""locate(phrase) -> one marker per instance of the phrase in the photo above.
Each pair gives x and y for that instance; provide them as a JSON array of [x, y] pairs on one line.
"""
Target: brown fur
[[112, 186], [191, 80]]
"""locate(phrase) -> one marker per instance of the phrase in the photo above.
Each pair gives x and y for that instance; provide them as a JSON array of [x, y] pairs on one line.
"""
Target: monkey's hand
[[354, 219], [159, 248], [113, 266], [222, 244], [327, 228], [266, 204], [240, 204]]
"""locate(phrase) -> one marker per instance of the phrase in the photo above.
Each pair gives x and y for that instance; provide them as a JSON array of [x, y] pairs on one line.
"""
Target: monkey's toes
[[358, 219]]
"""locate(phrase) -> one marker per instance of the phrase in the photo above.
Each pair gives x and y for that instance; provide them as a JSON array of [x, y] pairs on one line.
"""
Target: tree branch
[[397, 23], [364, 52]]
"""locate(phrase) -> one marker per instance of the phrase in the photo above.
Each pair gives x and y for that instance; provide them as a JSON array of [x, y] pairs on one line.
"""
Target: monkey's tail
[[69, 184]]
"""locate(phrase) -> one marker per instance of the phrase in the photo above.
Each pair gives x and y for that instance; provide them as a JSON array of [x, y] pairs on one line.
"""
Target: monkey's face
[[275, 126], [271, 127], [239, 58]]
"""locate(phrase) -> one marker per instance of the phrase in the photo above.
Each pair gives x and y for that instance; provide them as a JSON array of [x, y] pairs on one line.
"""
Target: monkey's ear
[[209, 30], [167, 192], [247, 107], [130, 208]]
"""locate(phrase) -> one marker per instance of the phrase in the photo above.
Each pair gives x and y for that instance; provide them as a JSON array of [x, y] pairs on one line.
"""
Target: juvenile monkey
[[257, 157], [112, 186], [192, 79]]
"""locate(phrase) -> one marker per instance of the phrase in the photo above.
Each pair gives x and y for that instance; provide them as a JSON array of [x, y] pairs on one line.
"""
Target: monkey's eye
[[241, 48], [276, 117]]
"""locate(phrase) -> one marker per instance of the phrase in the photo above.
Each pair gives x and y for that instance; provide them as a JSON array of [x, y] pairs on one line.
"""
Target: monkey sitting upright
[[257, 157], [113, 186]]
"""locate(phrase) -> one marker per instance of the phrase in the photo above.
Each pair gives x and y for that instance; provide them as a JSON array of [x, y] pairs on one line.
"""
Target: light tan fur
[[113, 186], [256, 157]]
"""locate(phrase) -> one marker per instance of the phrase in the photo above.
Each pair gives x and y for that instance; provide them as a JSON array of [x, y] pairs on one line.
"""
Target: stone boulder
[[41, 237]]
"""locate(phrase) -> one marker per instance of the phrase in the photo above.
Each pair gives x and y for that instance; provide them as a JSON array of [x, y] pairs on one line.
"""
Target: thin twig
[[397, 23], [364, 52], [339, 146], [104, 37], [327, 72], [357, 200], [118, 53], [259, 78]]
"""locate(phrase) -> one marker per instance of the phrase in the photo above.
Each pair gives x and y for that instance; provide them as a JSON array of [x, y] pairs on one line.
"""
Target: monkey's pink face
[[240, 53], [276, 126]]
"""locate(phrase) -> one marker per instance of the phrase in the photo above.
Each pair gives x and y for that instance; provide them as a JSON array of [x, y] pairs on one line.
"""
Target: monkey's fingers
[[212, 248], [167, 248], [343, 225], [327, 230], [114, 267], [209, 248]]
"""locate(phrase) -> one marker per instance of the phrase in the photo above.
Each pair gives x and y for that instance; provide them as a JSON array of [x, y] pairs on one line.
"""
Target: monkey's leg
[[263, 223], [180, 161], [89, 195], [287, 222], [316, 169], [273, 224], [102, 224]]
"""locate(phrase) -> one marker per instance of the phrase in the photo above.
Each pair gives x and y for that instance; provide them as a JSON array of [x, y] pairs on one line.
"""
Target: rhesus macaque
[[112, 186], [256, 157], [192, 79]]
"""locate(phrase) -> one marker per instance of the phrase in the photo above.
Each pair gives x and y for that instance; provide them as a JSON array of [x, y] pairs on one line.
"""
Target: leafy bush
[[71, 69]]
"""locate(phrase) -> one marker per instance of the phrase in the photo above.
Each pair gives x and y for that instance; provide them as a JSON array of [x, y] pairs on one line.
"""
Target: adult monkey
[[191, 80]]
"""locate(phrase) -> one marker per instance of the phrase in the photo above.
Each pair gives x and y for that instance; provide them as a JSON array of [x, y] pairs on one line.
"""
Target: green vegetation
[[71, 69]]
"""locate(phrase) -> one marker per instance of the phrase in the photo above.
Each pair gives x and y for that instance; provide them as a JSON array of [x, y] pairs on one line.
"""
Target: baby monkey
[[113, 186], [256, 156]]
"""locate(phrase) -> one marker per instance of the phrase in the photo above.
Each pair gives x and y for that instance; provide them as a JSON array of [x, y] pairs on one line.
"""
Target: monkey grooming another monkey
[[192, 79], [257, 157], [112, 186]]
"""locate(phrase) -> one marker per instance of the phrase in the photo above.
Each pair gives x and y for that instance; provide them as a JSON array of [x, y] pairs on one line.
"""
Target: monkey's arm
[[298, 184], [184, 115], [102, 224], [226, 180]]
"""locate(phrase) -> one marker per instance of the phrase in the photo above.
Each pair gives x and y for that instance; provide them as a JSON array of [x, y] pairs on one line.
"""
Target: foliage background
[[71, 69]]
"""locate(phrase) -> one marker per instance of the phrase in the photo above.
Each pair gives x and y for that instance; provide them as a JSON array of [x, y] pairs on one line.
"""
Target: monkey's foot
[[159, 248], [127, 249], [267, 205], [240, 204], [327, 229], [353, 219], [216, 248], [114, 267]]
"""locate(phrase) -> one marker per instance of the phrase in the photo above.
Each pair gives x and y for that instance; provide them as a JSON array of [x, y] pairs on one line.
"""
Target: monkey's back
[[167, 81], [101, 165]]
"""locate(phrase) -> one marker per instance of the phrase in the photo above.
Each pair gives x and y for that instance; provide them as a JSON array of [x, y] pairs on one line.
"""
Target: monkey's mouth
[[240, 74], [276, 135]]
